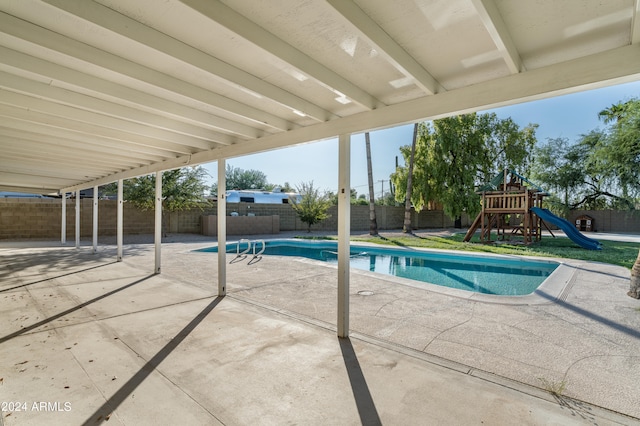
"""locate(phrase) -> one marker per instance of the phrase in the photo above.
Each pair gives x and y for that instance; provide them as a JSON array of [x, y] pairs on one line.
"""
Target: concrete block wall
[[610, 220], [242, 225], [32, 219], [39, 218], [388, 217]]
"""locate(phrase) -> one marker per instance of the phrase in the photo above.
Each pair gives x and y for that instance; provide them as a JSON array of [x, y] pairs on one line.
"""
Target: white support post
[[119, 222], [78, 218], [95, 219], [63, 232], [222, 229], [344, 231], [158, 220]]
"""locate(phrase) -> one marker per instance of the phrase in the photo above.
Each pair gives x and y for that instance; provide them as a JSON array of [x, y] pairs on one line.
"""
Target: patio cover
[[96, 91]]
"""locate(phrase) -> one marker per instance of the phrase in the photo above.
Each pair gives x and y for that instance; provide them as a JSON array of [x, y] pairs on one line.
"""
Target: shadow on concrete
[[238, 258], [364, 401], [103, 413], [53, 278], [577, 408], [63, 259], [68, 311], [616, 326], [595, 271]]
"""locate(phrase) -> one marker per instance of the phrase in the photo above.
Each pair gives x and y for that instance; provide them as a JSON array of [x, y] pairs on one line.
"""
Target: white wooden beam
[[63, 225], [222, 228], [344, 232], [95, 219], [635, 23], [45, 168], [600, 70], [41, 189], [78, 218], [109, 110], [60, 159], [72, 113], [386, 45], [237, 23], [127, 27], [493, 22], [22, 179], [108, 152], [68, 47], [113, 92], [62, 127], [76, 137], [90, 159], [158, 222], [119, 222]]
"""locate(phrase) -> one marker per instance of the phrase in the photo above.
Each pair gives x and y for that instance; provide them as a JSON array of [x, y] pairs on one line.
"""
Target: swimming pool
[[481, 274]]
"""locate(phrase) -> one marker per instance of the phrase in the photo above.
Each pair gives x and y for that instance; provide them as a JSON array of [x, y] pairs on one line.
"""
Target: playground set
[[512, 206]]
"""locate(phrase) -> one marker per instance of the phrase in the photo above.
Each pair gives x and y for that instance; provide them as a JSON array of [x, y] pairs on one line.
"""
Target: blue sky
[[566, 116]]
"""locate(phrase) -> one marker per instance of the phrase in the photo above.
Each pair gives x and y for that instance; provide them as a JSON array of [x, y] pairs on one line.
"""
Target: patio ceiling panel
[[95, 87], [46, 145], [79, 56], [635, 23], [152, 45], [19, 118], [575, 29], [61, 96], [38, 131], [387, 46], [96, 164], [490, 15], [78, 113], [92, 91], [235, 22]]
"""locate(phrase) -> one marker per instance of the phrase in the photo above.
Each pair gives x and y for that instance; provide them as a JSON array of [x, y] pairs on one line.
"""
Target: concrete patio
[[97, 340]]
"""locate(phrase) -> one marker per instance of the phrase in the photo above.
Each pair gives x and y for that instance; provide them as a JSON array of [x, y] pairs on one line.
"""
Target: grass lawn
[[614, 252]]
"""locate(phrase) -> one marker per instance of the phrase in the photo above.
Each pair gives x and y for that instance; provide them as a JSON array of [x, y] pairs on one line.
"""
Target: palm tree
[[614, 113], [634, 288], [373, 224], [406, 228]]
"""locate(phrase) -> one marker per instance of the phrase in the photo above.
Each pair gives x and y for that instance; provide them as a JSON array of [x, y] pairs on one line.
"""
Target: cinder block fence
[[40, 218]]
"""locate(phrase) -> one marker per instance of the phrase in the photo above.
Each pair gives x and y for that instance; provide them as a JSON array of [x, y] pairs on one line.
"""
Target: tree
[[388, 199], [373, 223], [406, 226], [237, 178], [181, 189], [623, 156], [621, 152], [454, 155], [354, 198], [559, 168], [634, 285], [283, 188], [312, 207], [616, 112], [602, 168]]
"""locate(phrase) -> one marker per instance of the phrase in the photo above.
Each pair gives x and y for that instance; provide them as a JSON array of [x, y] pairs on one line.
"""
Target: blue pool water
[[480, 274]]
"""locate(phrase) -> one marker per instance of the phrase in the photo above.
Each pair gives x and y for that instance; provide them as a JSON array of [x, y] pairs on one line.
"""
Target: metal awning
[[96, 91]]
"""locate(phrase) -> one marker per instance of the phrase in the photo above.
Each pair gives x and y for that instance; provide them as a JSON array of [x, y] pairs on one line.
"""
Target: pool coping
[[557, 286]]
